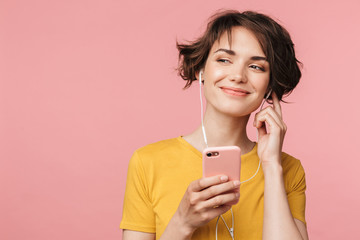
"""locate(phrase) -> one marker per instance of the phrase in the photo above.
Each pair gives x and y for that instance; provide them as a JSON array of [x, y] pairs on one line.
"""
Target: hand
[[270, 141], [206, 199]]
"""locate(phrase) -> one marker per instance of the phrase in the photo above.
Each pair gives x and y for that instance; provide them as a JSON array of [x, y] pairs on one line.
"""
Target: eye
[[222, 60], [258, 68]]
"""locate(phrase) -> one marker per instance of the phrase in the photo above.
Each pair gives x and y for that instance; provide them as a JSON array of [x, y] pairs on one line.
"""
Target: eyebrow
[[232, 53]]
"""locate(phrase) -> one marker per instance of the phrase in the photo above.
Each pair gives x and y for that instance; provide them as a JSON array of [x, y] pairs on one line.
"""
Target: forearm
[[278, 221]]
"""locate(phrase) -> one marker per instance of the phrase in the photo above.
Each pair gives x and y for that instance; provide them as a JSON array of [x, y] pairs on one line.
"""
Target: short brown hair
[[275, 42]]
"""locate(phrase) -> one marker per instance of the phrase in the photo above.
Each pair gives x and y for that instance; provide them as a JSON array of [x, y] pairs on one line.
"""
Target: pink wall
[[85, 83]]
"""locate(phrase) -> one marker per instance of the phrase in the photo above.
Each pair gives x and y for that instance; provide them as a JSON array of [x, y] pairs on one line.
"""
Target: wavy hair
[[275, 42]]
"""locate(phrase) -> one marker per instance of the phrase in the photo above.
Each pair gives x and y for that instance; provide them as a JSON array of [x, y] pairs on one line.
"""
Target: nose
[[238, 73]]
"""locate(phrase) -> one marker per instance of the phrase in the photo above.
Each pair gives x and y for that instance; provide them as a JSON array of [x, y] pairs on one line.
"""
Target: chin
[[235, 108], [236, 112]]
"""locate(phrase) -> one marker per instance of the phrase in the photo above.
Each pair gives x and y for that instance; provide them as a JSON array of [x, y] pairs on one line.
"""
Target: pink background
[[85, 83]]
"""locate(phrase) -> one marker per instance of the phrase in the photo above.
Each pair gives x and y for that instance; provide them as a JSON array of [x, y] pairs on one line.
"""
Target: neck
[[223, 130]]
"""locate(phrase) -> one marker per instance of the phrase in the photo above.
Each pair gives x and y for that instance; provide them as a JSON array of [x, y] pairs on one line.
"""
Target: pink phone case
[[227, 162]]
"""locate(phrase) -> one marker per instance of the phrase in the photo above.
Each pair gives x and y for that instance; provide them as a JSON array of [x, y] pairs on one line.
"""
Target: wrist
[[183, 231], [272, 168]]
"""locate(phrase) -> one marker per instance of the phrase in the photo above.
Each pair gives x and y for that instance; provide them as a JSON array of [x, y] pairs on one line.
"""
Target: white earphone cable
[[202, 111], [230, 230]]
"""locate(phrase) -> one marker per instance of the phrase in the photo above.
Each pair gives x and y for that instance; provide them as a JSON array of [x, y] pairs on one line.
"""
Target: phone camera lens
[[208, 154]]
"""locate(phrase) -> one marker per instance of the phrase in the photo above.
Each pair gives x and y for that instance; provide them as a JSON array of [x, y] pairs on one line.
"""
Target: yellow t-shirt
[[160, 173]]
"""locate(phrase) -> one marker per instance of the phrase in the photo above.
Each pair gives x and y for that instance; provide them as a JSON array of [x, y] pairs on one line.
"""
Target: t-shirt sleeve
[[138, 213], [296, 196]]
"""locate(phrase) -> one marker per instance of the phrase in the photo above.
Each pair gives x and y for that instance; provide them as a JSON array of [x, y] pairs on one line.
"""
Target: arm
[[278, 221], [134, 235]]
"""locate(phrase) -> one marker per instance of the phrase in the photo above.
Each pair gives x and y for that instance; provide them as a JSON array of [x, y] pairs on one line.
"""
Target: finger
[[219, 189], [222, 199], [214, 212], [271, 111], [276, 104], [203, 183], [273, 126]]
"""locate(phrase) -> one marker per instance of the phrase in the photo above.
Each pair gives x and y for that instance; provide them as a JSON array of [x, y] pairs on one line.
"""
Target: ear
[[197, 74]]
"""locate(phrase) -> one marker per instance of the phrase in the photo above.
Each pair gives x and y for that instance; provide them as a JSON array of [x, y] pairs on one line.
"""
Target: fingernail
[[237, 183], [224, 178], [237, 194]]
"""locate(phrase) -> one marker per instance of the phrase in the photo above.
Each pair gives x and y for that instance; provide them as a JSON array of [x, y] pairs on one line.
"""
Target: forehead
[[239, 39]]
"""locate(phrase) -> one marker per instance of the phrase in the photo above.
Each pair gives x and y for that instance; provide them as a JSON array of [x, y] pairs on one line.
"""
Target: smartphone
[[222, 160]]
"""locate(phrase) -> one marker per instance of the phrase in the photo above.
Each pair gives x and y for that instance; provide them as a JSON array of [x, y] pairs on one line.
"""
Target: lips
[[234, 91]]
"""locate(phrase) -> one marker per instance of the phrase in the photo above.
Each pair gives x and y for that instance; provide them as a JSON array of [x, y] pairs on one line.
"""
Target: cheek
[[213, 79], [208, 91], [261, 82], [214, 73]]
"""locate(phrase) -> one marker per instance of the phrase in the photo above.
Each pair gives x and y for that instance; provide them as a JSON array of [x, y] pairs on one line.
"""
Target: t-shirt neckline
[[199, 154]]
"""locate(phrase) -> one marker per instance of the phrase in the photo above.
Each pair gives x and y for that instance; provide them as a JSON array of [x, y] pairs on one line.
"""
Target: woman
[[242, 59]]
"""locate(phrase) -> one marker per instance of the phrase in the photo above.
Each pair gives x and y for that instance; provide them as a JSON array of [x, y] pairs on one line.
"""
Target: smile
[[234, 91]]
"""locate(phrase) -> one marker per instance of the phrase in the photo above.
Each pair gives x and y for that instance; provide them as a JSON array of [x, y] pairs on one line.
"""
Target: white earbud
[[200, 76]]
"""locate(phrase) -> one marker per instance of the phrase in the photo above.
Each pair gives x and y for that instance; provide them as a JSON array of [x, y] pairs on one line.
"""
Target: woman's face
[[236, 78]]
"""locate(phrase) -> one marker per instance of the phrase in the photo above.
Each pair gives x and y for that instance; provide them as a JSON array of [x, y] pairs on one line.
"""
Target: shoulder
[[150, 156], [159, 147], [159, 151], [289, 162], [166, 159]]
